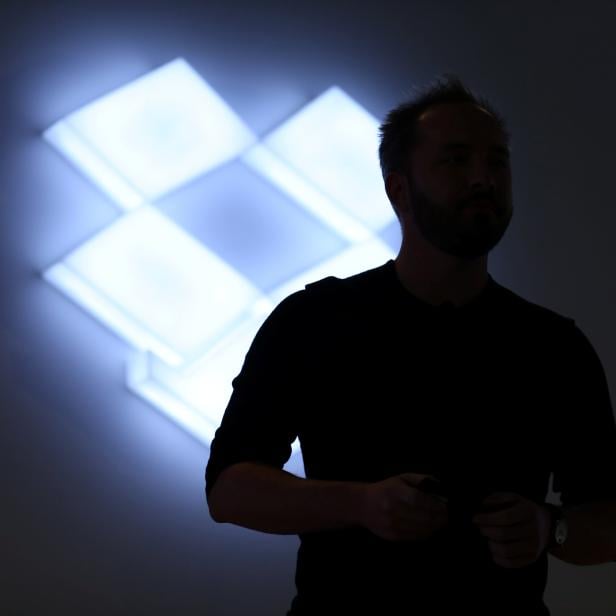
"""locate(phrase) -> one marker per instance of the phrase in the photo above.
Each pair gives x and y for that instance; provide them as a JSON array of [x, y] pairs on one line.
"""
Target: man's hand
[[396, 509], [517, 529]]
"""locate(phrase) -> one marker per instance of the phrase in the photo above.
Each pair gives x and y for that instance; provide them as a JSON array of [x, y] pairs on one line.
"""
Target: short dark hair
[[398, 133]]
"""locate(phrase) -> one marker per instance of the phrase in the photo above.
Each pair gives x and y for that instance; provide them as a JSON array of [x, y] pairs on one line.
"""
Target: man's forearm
[[273, 501], [591, 534]]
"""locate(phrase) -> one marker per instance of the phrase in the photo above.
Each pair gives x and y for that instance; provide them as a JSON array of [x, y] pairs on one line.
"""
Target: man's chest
[[397, 400]]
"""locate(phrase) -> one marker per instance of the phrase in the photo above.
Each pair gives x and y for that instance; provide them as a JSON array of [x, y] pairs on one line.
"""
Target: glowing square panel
[[201, 390], [190, 315], [196, 396], [305, 193], [156, 286], [252, 225], [326, 157], [152, 135]]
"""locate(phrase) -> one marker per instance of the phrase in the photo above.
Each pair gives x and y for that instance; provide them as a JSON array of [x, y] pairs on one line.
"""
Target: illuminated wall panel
[[187, 313]]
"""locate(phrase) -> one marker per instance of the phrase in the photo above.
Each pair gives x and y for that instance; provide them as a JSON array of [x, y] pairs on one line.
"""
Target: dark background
[[103, 509]]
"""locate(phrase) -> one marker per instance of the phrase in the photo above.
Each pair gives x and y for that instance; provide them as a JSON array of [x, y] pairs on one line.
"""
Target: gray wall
[[103, 509]]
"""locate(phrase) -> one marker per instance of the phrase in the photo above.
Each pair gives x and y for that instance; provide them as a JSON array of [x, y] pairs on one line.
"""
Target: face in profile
[[459, 180]]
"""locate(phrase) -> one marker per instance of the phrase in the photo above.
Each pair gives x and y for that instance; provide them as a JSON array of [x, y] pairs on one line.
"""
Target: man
[[431, 403]]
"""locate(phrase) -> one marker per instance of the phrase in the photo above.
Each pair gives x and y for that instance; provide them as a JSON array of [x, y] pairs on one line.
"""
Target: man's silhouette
[[432, 404]]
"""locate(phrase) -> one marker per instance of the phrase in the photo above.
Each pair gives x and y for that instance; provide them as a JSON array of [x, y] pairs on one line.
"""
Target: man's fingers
[[415, 479], [426, 503], [423, 509], [499, 500], [510, 517], [426, 483], [503, 535]]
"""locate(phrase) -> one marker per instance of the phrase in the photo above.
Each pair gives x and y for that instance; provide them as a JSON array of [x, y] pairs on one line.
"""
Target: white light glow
[[195, 396], [353, 260], [205, 384], [189, 316], [138, 380], [92, 165], [305, 193], [156, 286], [152, 135], [333, 144]]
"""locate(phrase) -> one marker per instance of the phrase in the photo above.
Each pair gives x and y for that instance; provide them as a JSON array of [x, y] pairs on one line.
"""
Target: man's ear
[[396, 187]]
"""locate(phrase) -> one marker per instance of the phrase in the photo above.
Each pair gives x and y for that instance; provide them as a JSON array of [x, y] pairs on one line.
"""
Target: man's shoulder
[[322, 296], [365, 282], [533, 314], [324, 305]]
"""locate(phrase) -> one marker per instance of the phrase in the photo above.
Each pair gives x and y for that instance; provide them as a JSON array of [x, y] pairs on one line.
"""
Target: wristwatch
[[559, 528]]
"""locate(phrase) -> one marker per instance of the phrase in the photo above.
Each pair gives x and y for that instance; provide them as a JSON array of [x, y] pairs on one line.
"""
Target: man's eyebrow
[[501, 149]]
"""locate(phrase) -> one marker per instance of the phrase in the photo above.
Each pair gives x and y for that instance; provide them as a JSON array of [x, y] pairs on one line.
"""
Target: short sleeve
[[260, 421], [586, 467]]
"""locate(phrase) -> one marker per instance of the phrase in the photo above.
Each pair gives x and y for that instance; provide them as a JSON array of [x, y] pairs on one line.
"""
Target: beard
[[459, 229]]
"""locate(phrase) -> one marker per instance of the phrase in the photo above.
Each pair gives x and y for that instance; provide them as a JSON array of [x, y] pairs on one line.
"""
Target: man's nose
[[482, 176]]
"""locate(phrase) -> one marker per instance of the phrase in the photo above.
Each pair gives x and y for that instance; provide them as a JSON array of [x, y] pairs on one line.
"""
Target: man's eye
[[455, 159]]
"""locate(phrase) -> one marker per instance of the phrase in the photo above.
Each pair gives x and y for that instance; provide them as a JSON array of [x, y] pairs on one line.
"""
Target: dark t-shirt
[[492, 396]]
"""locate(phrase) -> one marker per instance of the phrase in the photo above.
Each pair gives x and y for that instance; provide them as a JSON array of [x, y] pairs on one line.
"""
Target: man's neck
[[443, 278]]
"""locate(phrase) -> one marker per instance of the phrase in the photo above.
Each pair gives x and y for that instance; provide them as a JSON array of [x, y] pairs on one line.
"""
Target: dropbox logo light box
[[186, 312]]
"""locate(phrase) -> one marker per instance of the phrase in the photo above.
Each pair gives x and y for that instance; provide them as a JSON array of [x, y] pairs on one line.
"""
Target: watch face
[[561, 532]]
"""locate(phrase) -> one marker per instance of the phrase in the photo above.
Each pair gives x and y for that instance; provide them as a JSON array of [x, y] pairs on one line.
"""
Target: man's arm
[[586, 475], [271, 500], [591, 536]]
